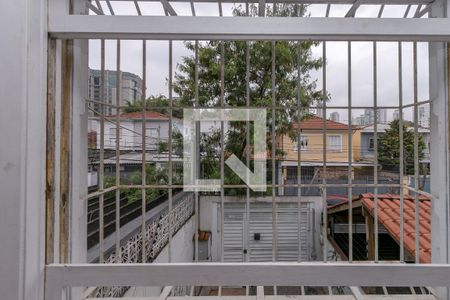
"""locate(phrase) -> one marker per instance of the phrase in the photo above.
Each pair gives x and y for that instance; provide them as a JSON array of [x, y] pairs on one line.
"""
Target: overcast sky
[[337, 59]]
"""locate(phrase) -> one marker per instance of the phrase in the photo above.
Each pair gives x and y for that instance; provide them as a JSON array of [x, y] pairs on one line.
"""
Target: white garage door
[[249, 238]]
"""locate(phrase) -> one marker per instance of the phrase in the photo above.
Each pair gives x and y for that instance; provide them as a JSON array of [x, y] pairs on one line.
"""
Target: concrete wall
[[210, 221], [182, 250]]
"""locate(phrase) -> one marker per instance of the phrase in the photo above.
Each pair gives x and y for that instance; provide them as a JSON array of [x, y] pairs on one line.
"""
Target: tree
[[260, 79], [389, 148], [158, 103]]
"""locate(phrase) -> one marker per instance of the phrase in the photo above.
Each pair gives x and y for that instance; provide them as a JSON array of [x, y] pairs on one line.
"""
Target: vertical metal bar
[[274, 207], [169, 245], [196, 200], [222, 158], [222, 148], [350, 155], [401, 154], [416, 156], [101, 171], [64, 214], [299, 148], [274, 146], [50, 154], [375, 146], [144, 153], [324, 152], [247, 153], [220, 8], [118, 95], [247, 150]]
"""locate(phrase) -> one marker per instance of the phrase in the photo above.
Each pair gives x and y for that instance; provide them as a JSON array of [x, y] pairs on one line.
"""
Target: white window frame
[[334, 149]]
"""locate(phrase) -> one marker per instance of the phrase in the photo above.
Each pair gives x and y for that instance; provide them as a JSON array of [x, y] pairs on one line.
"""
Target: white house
[[367, 140], [130, 136]]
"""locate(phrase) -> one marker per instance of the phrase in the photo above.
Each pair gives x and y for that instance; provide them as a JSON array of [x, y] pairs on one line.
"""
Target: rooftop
[[389, 216], [317, 123], [137, 115]]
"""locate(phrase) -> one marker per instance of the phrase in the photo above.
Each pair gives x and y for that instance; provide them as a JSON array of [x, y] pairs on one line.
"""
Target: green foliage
[[157, 103], [288, 54], [389, 148], [153, 175], [177, 144]]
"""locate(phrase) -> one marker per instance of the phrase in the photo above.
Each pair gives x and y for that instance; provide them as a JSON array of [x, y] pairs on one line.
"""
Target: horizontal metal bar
[[244, 28], [418, 103], [422, 193], [287, 297], [277, 107], [100, 192], [306, 185], [286, 274], [365, 2]]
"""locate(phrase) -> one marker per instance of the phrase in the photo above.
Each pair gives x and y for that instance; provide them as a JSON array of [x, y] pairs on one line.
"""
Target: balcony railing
[[156, 238], [60, 277]]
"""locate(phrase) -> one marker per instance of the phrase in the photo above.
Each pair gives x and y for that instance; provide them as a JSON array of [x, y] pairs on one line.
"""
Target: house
[[389, 221], [130, 136], [131, 162], [367, 140], [312, 155]]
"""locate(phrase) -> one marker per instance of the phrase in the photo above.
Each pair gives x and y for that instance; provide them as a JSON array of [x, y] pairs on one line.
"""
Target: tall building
[[368, 118], [131, 89], [382, 116], [334, 116], [396, 115], [424, 116]]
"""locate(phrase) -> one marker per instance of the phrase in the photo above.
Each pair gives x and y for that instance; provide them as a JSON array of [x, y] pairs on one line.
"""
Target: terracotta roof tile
[[316, 123], [389, 216]]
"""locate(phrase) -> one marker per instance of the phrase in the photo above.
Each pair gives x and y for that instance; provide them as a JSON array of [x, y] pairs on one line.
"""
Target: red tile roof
[[389, 216], [316, 123], [137, 115]]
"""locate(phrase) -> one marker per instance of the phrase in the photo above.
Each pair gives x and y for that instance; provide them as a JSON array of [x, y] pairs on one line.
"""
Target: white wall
[[210, 221], [130, 133], [22, 148], [182, 250]]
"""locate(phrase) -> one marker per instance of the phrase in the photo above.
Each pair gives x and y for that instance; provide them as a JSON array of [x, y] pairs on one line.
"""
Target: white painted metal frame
[[79, 26], [242, 28], [213, 274]]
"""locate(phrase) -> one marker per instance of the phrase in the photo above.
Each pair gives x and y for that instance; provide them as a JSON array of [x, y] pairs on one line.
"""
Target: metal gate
[[248, 237]]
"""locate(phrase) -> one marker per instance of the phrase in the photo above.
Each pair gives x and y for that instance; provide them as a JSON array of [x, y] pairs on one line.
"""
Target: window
[[334, 143], [152, 132], [112, 134], [304, 140], [371, 144]]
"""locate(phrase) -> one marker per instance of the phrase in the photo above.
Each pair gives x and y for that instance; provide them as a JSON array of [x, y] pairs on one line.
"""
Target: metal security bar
[[275, 185], [253, 32]]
